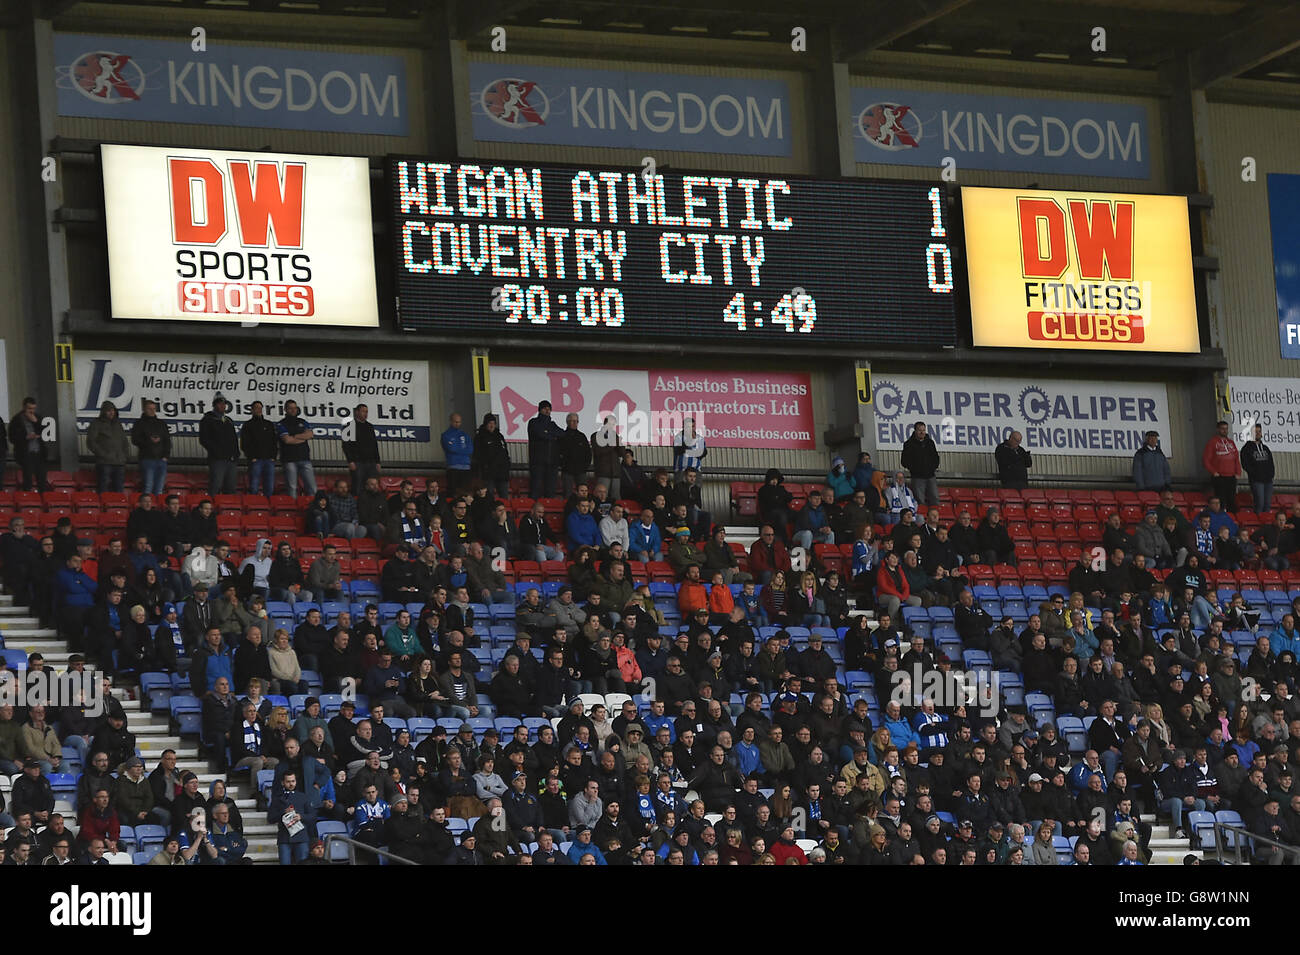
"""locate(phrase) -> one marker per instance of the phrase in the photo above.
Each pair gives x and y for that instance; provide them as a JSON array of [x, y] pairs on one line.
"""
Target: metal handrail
[[353, 845], [1242, 836]]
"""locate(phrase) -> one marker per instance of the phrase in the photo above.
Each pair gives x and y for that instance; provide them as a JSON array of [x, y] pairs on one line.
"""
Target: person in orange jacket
[[1223, 461], [691, 594], [720, 600]]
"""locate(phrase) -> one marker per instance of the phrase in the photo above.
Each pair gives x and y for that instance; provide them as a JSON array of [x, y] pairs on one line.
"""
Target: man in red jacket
[[767, 555], [99, 821], [1222, 460]]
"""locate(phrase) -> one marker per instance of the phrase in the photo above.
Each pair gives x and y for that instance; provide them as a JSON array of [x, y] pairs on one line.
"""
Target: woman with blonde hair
[[286, 671], [1043, 850]]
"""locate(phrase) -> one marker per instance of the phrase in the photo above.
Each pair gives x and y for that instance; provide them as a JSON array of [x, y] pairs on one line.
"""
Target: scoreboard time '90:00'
[[559, 250]]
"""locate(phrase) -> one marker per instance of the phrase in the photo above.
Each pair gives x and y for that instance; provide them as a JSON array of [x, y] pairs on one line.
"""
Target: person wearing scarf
[[246, 745]]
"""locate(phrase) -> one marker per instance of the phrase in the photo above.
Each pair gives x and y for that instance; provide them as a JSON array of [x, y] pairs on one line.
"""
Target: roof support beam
[[863, 34], [1265, 39]]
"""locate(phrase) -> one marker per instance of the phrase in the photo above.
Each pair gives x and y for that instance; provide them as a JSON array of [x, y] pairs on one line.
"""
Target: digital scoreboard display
[[542, 251]]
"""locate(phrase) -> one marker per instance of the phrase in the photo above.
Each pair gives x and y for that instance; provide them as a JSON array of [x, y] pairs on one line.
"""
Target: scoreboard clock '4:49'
[[541, 250]]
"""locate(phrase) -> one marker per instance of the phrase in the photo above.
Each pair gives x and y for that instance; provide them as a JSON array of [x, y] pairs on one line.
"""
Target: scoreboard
[[546, 251]]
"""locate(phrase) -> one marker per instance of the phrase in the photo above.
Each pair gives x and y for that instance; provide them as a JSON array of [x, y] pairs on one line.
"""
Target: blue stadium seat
[[421, 726], [142, 858], [941, 615], [338, 851], [1199, 827], [502, 613], [150, 838]]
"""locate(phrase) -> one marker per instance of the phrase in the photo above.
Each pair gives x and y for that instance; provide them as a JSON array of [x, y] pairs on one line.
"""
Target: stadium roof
[[1256, 39]]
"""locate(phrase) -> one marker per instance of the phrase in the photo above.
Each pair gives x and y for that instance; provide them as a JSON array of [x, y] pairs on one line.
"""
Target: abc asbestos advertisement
[[1080, 270], [202, 235]]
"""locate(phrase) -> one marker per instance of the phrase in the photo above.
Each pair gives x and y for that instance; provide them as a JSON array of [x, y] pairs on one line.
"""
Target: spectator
[[1013, 462], [295, 451], [574, 452], [774, 504], [767, 555], [490, 460], [811, 524], [921, 459], [1223, 462], [362, 452], [607, 457], [580, 527], [259, 442], [543, 437], [645, 538], [839, 480], [218, 438], [1257, 459], [1150, 466], [30, 447], [107, 442], [899, 497], [458, 449], [324, 576], [689, 448], [153, 442], [344, 519]]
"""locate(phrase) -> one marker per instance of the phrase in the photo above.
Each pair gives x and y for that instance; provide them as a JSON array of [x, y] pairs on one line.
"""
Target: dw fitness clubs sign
[[976, 414]]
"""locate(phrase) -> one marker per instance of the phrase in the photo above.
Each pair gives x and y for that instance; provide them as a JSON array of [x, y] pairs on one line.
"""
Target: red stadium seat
[[85, 500], [228, 502], [1062, 512], [528, 571]]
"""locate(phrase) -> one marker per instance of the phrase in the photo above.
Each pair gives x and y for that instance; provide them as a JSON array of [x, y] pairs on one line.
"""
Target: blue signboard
[[165, 81], [1012, 134], [1284, 219], [559, 106]]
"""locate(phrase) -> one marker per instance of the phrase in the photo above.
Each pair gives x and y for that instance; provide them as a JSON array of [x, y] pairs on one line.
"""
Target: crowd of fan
[[732, 741]]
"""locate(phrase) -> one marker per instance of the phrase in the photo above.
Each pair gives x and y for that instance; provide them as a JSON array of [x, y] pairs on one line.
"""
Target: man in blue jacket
[[1150, 466], [458, 447], [580, 527], [74, 596], [225, 838]]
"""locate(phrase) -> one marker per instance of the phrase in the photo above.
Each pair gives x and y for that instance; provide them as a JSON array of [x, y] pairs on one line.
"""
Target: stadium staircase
[[21, 631]]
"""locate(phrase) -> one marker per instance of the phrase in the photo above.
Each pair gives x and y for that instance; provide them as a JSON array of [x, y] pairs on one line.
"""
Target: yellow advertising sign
[[1082, 270]]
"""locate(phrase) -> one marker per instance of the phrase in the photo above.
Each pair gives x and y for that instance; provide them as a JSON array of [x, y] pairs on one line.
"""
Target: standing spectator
[[29, 447], [1150, 466], [295, 454], [1258, 462], [543, 434], [607, 457], [107, 442], [258, 441], [153, 442], [1014, 462], [362, 451], [575, 455], [1221, 459], [688, 450], [217, 436], [921, 459], [491, 458], [458, 448], [774, 503]]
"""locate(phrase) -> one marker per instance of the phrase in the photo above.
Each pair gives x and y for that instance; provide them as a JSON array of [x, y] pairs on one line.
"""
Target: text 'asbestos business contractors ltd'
[[226, 236], [1080, 270], [560, 106]]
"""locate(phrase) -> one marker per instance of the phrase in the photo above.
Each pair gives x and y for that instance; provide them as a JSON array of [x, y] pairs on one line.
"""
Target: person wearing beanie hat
[[839, 480], [218, 438]]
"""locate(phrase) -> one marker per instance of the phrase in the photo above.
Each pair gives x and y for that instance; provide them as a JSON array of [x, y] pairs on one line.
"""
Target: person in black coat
[[774, 503], [1013, 461], [362, 452], [490, 460]]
